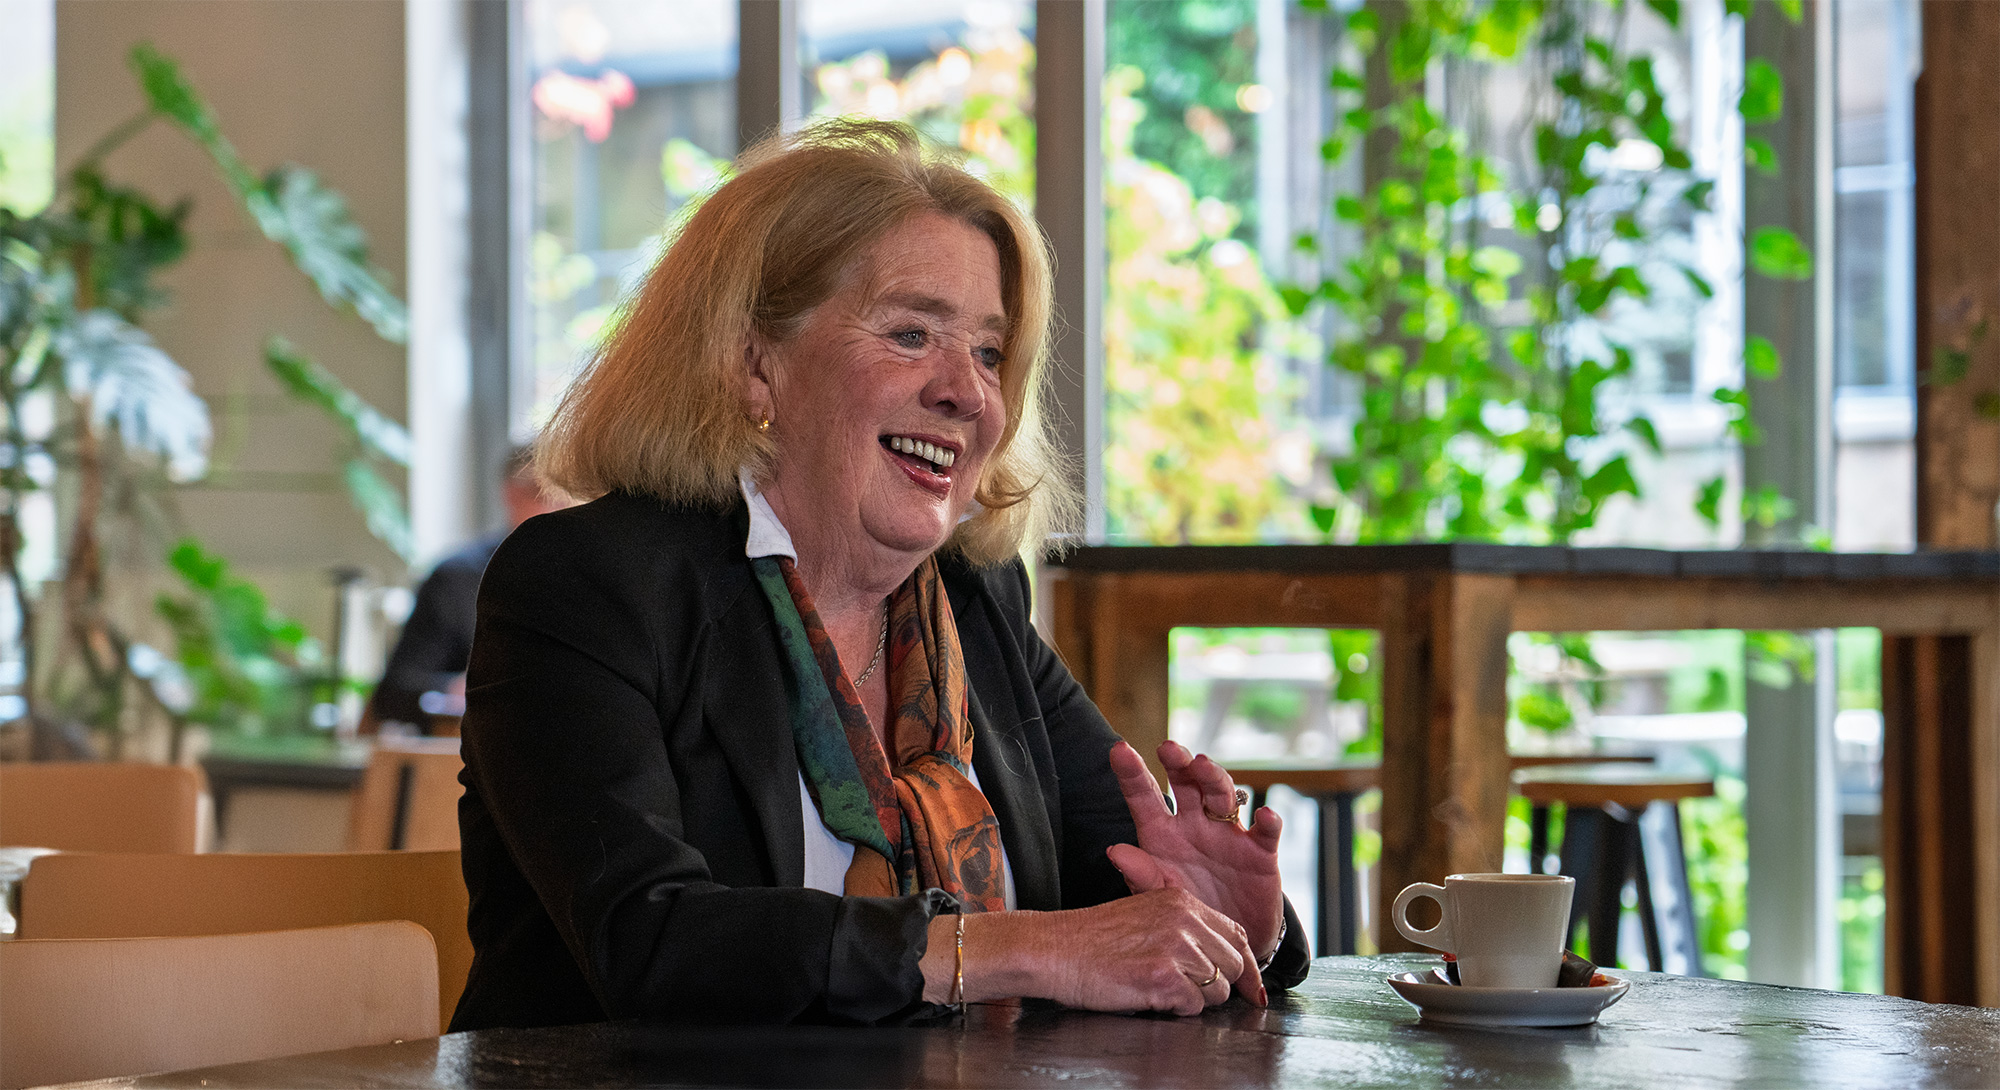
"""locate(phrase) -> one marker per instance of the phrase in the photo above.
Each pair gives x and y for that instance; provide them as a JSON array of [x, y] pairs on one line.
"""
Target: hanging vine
[[1473, 424]]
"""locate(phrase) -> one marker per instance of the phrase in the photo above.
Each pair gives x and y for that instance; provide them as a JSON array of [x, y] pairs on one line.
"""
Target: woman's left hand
[[1231, 869]]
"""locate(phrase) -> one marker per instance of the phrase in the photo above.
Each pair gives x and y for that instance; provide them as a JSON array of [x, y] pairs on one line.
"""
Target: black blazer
[[631, 825]]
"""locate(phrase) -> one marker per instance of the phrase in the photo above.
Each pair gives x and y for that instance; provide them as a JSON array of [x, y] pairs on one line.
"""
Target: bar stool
[[1334, 788], [1621, 822]]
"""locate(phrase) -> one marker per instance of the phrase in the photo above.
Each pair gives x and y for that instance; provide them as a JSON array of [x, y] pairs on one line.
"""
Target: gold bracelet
[[958, 978]]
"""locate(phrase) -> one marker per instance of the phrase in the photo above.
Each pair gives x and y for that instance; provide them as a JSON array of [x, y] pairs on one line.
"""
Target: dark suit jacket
[[631, 824]]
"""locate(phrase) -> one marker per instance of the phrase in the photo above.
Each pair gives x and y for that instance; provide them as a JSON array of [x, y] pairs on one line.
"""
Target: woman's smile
[[925, 460]]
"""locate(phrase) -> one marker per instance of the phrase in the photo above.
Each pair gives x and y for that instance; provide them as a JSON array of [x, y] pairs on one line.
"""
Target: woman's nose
[[956, 388]]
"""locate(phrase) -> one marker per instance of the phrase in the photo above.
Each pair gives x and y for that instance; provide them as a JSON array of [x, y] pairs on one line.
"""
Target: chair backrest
[[118, 896], [75, 1009], [408, 797], [100, 806]]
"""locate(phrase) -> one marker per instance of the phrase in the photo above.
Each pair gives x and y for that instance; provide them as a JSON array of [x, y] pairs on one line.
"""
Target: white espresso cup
[[1505, 930]]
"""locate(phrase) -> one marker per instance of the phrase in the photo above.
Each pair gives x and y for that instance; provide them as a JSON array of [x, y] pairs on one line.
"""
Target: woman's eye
[[990, 356], [909, 338]]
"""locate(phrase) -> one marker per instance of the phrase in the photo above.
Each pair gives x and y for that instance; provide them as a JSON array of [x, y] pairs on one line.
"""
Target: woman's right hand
[[1163, 950]]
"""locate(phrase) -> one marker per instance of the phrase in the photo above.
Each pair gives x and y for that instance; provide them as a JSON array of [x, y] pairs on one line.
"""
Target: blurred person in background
[[425, 675]]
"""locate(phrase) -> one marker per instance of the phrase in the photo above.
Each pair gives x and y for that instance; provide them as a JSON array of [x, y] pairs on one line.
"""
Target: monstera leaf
[[20, 284], [381, 506], [289, 204], [312, 222], [372, 437], [317, 386], [131, 386]]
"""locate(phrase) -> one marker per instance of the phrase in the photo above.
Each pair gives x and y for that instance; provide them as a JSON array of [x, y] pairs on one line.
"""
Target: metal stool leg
[[1338, 893], [406, 782], [1649, 920], [1343, 869], [1607, 908], [1538, 839], [1582, 859], [1666, 862]]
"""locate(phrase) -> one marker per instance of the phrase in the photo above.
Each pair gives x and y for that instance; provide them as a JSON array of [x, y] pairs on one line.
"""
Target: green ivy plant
[[1416, 290], [1471, 428]]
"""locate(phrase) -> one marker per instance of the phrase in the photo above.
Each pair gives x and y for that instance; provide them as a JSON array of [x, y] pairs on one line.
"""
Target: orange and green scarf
[[913, 815]]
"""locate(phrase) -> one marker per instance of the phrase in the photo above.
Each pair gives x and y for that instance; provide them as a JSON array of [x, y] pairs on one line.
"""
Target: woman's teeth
[[942, 457]]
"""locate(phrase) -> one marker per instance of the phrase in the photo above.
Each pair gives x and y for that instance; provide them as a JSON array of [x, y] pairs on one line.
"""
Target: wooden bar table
[[1342, 1027], [1445, 611]]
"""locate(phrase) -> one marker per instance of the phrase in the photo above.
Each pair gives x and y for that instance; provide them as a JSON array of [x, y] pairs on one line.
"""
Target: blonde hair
[[660, 410]]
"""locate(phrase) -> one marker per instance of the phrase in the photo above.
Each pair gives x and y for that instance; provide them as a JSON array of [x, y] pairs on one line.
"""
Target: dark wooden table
[[1343, 1027], [296, 766], [1445, 611]]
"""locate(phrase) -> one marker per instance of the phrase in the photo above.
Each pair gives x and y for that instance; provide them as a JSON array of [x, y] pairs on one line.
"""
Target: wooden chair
[[98, 806], [119, 896], [92, 1008], [408, 797], [1620, 823]]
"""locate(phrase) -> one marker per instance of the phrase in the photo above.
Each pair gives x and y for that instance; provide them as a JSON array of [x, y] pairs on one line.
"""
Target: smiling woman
[[812, 446]]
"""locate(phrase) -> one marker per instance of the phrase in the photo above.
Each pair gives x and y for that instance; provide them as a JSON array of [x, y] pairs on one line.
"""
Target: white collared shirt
[[827, 856]]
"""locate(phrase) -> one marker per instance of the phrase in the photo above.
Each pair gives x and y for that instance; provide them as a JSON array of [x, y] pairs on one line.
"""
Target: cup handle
[[1437, 938]]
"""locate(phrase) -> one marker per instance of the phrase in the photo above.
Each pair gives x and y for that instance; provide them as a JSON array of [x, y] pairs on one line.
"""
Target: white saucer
[[1445, 1002]]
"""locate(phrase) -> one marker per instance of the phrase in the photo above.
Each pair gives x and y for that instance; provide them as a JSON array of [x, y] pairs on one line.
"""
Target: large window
[[1222, 418], [633, 105], [27, 104], [27, 180], [1205, 440], [1221, 412]]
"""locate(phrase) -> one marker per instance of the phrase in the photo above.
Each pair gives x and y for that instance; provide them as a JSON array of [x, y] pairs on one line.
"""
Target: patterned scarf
[[915, 819]]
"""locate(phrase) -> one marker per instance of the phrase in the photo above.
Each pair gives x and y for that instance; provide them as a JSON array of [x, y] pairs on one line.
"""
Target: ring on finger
[[1212, 978], [1241, 797]]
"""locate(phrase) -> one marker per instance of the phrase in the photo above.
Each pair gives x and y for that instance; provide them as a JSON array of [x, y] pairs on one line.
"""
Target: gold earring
[[765, 423]]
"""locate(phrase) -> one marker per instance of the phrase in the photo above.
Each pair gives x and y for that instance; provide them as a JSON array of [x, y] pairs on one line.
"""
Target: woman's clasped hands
[[1206, 906]]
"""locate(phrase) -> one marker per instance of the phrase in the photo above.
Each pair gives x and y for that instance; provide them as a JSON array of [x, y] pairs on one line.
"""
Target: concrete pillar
[[1069, 202], [1792, 808]]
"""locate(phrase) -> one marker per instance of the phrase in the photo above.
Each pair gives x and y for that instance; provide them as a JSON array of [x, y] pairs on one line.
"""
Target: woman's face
[[886, 407]]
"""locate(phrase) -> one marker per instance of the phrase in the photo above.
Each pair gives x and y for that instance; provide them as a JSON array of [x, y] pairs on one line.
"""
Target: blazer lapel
[[747, 708], [1007, 778]]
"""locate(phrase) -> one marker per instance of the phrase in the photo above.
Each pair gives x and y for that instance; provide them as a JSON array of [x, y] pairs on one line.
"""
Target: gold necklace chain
[[881, 645]]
